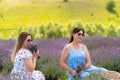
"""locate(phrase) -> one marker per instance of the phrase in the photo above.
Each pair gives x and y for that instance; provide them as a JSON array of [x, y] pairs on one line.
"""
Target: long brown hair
[[21, 38], [76, 30]]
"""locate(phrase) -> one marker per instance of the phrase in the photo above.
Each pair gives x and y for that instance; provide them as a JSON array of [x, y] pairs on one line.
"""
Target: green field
[[16, 13]]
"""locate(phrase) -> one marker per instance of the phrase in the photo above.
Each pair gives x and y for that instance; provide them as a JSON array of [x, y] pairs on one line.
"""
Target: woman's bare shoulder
[[67, 47], [83, 46]]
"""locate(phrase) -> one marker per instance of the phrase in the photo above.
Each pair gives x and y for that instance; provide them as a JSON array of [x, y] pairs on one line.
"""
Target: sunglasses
[[29, 40], [79, 34]]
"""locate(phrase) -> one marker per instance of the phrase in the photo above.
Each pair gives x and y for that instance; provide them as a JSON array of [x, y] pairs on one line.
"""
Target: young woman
[[76, 53], [24, 60]]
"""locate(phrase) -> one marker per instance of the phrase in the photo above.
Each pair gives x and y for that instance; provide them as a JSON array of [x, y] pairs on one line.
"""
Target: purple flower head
[[80, 67]]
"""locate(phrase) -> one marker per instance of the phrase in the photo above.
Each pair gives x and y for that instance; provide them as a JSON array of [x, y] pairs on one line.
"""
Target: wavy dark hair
[[76, 30]]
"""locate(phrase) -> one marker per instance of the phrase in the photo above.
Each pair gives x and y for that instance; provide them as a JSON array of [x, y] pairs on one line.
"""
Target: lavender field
[[104, 52]]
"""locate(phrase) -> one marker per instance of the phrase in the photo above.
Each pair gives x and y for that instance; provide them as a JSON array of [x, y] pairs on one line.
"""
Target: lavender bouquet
[[80, 67], [32, 47]]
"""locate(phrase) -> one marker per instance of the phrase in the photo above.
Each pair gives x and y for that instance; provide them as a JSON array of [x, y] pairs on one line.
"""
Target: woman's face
[[27, 41], [78, 36]]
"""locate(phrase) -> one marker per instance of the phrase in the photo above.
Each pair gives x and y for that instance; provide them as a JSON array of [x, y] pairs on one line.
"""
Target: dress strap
[[84, 47]]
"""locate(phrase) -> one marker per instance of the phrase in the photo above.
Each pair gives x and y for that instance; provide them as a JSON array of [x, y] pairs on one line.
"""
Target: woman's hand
[[80, 72], [85, 67], [74, 73], [36, 54]]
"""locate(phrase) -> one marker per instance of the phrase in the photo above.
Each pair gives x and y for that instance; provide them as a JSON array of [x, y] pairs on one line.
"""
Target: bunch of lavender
[[32, 48], [80, 67]]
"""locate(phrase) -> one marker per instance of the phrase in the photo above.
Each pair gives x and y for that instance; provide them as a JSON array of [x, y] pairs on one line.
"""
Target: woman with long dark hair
[[75, 57]]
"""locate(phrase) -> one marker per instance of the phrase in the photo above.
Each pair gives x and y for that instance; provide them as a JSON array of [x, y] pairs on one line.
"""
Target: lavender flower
[[80, 67], [32, 47]]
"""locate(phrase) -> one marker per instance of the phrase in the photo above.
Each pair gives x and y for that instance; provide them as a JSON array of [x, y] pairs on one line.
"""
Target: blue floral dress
[[20, 72], [76, 57]]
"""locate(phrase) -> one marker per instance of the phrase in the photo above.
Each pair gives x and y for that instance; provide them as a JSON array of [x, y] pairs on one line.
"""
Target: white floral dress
[[20, 72]]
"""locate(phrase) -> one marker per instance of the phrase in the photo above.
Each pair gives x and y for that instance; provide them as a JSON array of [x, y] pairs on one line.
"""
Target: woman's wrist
[[86, 66], [34, 58], [71, 70]]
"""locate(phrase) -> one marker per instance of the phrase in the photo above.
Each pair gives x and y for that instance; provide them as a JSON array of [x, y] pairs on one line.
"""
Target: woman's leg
[[37, 75]]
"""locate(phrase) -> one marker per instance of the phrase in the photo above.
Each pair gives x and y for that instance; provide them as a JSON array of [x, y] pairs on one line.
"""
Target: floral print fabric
[[20, 72]]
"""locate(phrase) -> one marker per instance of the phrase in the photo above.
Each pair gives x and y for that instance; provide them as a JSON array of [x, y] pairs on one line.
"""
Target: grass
[[34, 12]]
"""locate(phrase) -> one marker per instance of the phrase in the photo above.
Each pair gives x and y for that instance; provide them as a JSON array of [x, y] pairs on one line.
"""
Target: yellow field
[[26, 13]]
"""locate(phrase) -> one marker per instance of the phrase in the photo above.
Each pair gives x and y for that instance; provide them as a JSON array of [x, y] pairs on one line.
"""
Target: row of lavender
[[104, 52]]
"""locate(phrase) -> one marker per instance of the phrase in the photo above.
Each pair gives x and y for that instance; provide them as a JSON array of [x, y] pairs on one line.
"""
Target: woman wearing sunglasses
[[76, 53], [24, 60]]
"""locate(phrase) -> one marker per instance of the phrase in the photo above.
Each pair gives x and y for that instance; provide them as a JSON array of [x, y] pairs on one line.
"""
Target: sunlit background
[[50, 22], [31, 15]]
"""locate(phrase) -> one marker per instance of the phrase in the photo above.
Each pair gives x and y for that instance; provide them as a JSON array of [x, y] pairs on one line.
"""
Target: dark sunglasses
[[79, 34], [29, 40]]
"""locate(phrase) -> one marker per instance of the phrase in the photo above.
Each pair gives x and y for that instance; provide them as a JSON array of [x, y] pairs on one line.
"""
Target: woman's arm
[[63, 58], [88, 60], [31, 63]]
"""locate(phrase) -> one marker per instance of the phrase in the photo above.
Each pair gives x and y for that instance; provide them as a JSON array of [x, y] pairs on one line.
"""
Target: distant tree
[[65, 0], [110, 5], [111, 31]]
